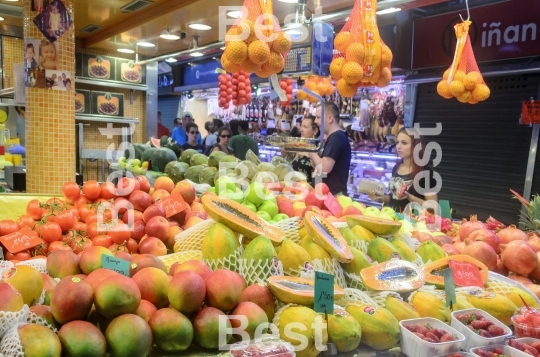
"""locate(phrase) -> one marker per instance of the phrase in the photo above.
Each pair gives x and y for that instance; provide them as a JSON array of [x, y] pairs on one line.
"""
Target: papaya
[[240, 218], [309, 320], [293, 290], [403, 249], [343, 330], [401, 309], [351, 238], [260, 248], [362, 233], [219, 242], [381, 250], [361, 260], [380, 329], [434, 271], [497, 305], [323, 232], [515, 294], [293, 257], [433, 304], [302, 232], [396, 275], [314, 250], [430, 251], [379, 226]]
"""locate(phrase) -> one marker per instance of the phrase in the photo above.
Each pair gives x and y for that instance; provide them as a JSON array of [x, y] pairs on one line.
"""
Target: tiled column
[[50, 116]]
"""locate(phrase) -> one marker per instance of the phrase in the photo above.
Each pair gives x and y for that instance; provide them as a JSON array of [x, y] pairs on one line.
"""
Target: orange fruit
[[236, 51], [472, 101], [481, 92], [355, 53], [346, 89], [459, 76], [446, 74], [385, 77], [249, 67], [465, 97], [164, 183], [456, 88], [321, 88], [310, 85], [386, 56], [472, 79], [258, 52], [228, 66], [232, 34], [352, 72], [264, 72], [330, 89], [442, 89], [282, 43], [301, 95], [275, 63], [336, 66], [342, 41], [246, 30]]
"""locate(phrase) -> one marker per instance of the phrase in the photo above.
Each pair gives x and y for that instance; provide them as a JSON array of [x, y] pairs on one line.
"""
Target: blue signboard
[[322, 44], [200, 73]]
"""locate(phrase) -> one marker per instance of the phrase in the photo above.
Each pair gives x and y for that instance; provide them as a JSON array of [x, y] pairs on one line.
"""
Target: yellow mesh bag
[[192, 238]]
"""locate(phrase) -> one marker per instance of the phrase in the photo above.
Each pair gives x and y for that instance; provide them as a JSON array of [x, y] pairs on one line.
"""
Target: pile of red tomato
[[286, 84], [225, 90], [241, 88]]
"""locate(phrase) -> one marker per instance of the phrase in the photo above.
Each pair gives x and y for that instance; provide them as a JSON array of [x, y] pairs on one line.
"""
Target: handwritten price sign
[[173, 204], [17, 242], [324, 293], [465, 274]]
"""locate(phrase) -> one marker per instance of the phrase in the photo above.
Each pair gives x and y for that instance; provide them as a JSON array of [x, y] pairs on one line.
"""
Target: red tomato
[[28, 230], [71, 190], [126, 186], [26, 221], [55, 201], [115, 248], [91, 189], [65, 220], [96, 229], [81, 201], [80, 227], [91, 217], [108, 190], [85, 210], [120, 233], [58, 245], [75, 212], [103, 240], [34, 209], [8, 226], [50, 232], [21, 256], [132, 245], [79, 244]]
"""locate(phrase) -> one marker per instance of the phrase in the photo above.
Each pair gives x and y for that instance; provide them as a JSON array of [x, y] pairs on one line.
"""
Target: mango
[[71, 299], [254, 314], [129, 335], [219, 242], [293, 257], [260, 248], [344, 331], [206, 328], [433, 304], [401, 310], [514, 295], [430, 251], [380, 329], [381, 250]]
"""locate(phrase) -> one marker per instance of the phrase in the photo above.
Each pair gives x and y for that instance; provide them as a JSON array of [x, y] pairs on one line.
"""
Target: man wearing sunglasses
[[192, 131], [180, 134]]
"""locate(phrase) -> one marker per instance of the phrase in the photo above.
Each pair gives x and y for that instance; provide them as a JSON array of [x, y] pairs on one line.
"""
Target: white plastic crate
[[510, 351], [413, 346]]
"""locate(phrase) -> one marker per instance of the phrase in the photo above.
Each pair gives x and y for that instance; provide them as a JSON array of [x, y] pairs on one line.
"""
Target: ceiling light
[[196, 54], [200, 27], [190, 95], [388, 11], [1, 18], [222, 48], [145, 44], [171, 60], [289, 1], [168, 35], [234, 14], [125, 50], [12, 0]]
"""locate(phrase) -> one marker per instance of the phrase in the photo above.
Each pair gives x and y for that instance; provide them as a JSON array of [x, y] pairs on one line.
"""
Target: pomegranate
[[483, 252], [485, 235], [535, 274], [494, 225], [442, 240], [501, 269], [520, 279], [510, 234], [422, 236], [534, 242], [519, 257], [534, 288], [460, 246], [467, 227], [450, 249]]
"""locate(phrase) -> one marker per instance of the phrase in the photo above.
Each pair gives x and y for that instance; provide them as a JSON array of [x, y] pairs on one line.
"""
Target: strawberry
[[438, 333], [536, 345], [533, 350], [495, 330], [484, 333], [432, 336], [421, 329], [419, 335], [427, 339], [498, 351], [480, 324], [447, 338]]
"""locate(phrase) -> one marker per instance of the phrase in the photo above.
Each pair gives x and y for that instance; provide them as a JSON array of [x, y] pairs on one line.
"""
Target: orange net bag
[[463, 79], [361, 59], [319, 85], [256, 42]]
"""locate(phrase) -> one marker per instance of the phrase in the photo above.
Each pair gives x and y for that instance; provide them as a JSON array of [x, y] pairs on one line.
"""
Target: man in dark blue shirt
[[333, 167], [179, 134]]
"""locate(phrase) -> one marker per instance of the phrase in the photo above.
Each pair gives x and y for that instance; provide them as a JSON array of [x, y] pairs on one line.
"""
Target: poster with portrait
[[40, 55], [58, 80], [54, 20], [39, 5]]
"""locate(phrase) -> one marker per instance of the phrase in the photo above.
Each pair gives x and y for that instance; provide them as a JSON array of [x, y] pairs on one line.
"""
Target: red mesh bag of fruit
[[361, 59], [463, 79], [256, 42]]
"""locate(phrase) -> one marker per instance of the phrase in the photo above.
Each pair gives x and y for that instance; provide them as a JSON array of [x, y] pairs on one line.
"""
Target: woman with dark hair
[[301, 162], [402, 188], [223, 137]]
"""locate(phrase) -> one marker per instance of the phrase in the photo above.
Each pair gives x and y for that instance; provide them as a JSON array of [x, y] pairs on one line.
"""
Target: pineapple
[[530, 221]]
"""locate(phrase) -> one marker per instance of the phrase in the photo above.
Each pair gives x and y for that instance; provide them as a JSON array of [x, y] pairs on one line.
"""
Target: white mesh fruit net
[[10, 346], [258, 271], [192, 238], [497, 283], [290, 227], [180, 257], [328, 266], [33, 318], [5, 265], [11, 319], [356, 297], [339, 225], [361, 245], [407, 238], [274, 329], [232, 262], [38, 264], [354, 281], [380, 296]]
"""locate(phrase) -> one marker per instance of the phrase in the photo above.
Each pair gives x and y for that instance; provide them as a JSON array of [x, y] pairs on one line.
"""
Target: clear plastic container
[[509, 351], [527, 340], [471, 338], [456, 354], [413, 346], [267, 347], [521, 330]]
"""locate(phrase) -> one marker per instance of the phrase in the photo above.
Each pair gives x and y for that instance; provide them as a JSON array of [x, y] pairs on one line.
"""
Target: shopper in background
[[208, 126], [211, 139], [243, 142], [161, 129], [401, 185], [233, 124], [333, 167], [177, 122], [301, 161], [223, 137], [295, 132], [192, 131], [178, 132]]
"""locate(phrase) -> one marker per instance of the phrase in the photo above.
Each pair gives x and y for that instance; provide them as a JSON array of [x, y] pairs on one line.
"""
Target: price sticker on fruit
[[120, 266], [324, 293], [465, 274], [173, 204], [19, 241]]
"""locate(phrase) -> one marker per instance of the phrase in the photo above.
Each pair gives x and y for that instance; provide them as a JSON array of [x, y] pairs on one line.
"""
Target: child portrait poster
[[54, 20]]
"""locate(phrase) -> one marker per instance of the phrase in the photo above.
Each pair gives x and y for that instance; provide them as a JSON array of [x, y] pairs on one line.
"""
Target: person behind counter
[[302, 162], [333, 166], [223, 138], [402, 188], [192, 131], [243, 142]]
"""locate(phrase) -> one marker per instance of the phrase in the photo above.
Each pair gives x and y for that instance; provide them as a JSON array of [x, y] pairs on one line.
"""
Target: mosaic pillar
[[50, 112]]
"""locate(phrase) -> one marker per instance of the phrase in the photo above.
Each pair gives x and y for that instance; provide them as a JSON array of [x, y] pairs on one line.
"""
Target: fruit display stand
[[12, 206]]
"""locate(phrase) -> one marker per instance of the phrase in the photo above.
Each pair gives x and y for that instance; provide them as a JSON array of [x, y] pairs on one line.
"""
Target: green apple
[[280, 217], [211, 189], [406, 226], [270, 207], [136, 162], [257, 193], [250, 205], [232, 195], [345, 201], [389, 211], [264, 215], [225, 183], [130, 162], [122, 165], [122, 159], [384, 215], [272, 222], [137, 170], [359, 205], [372, 211]]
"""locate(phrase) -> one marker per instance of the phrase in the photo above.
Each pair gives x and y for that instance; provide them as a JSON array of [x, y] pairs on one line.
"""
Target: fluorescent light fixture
[[168, 35], [196, 54], [125, 50], [145, 44], [1, 18], [234, 14], [200, 27], [388, 11], [12, 0], [289, 1], [222, 48], [171, 60]]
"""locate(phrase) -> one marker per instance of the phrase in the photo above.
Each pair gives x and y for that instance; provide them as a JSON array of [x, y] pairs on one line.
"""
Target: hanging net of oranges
[[319, 85], [361, 59], [256, 42], [463, 79]]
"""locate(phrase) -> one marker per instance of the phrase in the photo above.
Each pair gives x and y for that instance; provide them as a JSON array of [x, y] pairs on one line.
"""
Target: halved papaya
[[240, 219], [323, 232], [434, 270], [379, 226], [395, 275], [294, 290]]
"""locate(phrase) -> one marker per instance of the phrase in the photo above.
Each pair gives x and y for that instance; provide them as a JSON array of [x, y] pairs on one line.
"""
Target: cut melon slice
[[394, 275], [293, 290], [435, 271]]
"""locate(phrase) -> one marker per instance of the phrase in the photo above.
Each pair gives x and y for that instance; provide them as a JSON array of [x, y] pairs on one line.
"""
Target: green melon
[[161, 158]]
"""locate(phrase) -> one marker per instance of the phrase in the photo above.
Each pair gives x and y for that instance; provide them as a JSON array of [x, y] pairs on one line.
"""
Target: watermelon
[[147, 154], [155, 142], [176, 170], [170, 143], [139, 149], [161, 157]]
